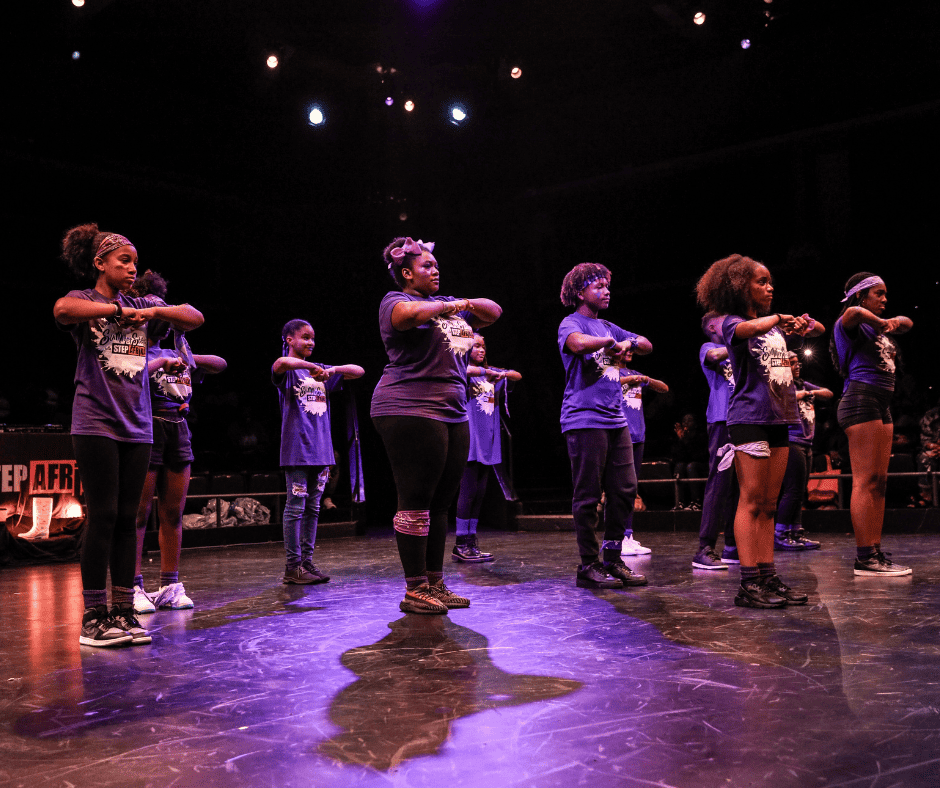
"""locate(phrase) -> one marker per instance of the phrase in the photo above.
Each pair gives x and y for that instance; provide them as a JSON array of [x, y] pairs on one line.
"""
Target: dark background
[[633, 138]]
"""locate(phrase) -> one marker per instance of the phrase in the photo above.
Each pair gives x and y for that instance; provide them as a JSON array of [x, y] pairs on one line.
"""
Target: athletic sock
[[168, 578], [95, 597], [748, 573]]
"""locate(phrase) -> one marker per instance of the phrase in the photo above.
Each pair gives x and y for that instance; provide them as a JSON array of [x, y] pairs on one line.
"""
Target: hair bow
[[412, 247]]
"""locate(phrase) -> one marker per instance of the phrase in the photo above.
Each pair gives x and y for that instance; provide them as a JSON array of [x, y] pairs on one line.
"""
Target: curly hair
[[149, 283], [291, 327], [394, 266], [580, 277], [855, 300], [723, 288], [78, 250]]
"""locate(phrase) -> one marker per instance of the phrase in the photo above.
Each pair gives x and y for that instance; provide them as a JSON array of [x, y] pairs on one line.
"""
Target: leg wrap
[[415, 523]]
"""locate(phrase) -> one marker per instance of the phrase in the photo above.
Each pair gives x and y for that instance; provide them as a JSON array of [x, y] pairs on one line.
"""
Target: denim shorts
[[863, 402]]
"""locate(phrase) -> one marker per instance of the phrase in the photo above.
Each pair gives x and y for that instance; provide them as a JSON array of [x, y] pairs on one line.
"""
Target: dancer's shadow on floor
[[414, 683]]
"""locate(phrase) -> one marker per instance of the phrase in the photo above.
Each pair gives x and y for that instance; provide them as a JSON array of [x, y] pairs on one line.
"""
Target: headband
[[111, 242], [409, 247], [590, 280], [863, 285]]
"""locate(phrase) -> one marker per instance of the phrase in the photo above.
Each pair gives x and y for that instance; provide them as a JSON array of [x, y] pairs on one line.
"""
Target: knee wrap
[[415, 523]]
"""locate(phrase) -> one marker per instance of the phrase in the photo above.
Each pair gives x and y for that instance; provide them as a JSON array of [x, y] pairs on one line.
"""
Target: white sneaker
[[142, 601], [173, 597], [632, 547]]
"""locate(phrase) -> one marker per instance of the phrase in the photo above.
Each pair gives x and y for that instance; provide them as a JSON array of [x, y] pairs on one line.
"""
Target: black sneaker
[[778, 587], [730, 555], [783, 540], [707, 558], [466, 552], [443, 594], [752, 593], [624, 573], [123, 616], [311, 569], [421, 600], [472, 541], [879, 565], [808, 544], [100, 631], [595, 576]]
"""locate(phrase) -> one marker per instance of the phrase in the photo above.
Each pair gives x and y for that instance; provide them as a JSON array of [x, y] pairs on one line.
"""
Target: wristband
[[118, 312]]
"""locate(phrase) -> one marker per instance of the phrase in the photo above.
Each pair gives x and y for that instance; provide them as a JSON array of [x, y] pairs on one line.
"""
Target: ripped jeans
[[305, 485]]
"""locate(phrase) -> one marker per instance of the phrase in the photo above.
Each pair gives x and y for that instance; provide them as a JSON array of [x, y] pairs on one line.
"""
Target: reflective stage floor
[[538, 683]]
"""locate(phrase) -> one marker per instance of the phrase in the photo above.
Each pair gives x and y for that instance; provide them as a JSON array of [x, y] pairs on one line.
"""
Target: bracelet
[[118, 312], [779, 319]]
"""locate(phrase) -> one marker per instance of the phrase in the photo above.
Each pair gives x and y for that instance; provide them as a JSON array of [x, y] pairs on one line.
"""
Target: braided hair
[[291, 327]]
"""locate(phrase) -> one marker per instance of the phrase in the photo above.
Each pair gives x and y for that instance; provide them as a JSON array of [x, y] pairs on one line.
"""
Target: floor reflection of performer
[[414, 683]]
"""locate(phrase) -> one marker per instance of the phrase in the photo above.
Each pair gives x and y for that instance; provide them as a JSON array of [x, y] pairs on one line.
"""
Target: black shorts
[[777, 435], [172, 445], [863, 402]]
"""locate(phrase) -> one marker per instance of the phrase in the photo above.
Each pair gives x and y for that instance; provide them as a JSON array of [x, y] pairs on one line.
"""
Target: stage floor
[[538, 683]]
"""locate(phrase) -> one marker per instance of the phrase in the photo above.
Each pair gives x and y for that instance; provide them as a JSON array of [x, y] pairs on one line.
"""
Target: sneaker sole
[[177, 607], [145, 611], [709, 566], [591, 584], [461, 560], [644, 551], [891, 573], [747, 602], [105, 643], [292, 582], [143, 640], [407, 607]]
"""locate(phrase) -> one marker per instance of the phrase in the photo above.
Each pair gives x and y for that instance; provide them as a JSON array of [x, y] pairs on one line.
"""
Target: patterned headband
[[591, 280], [863, 285], [111, 242], [409, 247]]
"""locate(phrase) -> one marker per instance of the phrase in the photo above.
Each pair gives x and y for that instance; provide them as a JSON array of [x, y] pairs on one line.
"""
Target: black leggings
[[472, 490], [113, 474], [427, 459]]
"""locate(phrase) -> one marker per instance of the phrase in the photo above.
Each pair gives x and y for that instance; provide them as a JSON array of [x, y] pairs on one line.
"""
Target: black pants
[[601, 461], [113, 474], [427, 459], [793, 489], [721, 492], [472, 490]]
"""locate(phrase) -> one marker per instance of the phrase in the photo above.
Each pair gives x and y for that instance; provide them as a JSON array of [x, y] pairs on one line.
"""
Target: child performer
[[789, 533], [171, 372], [632, 384], [594, 426], [864, 354], [112, 428], [486, 390], [762, 407], [721, 489], [306, 447]]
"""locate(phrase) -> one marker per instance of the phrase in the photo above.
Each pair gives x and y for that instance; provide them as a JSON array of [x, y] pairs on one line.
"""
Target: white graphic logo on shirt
[[771, 351], [608, 367], [807, 411], [178, 385], [886, 351], [484, 393], [633, 396], [311, 394], [120, 350], [728, 373], [457, 333]]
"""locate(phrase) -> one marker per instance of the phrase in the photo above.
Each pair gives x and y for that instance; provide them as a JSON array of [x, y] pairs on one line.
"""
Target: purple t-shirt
[[483, 401], [112, 399], [170, 391], [804, 431], [305, 416], [593, 397], [426, 374], [865, 355], [633, 407], [720, 383], [763, 391]]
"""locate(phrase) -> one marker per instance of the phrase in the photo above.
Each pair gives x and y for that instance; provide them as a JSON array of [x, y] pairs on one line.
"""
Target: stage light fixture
[[409, 105], [272, 62], [745, 43], [316, 116], [457, 114], [78, 3], [76, 55], [699, 18], [389, 101], [403, 217], [516, 72]]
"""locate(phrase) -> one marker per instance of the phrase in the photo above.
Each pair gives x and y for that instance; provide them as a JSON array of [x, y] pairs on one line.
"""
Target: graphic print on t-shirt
[[120, 350], [484, 394], [727, 372], [457, 333], [770, 350], [608, 367], [886, 352], [807, 411], [177, 385], [311, 394], [632, 396]]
